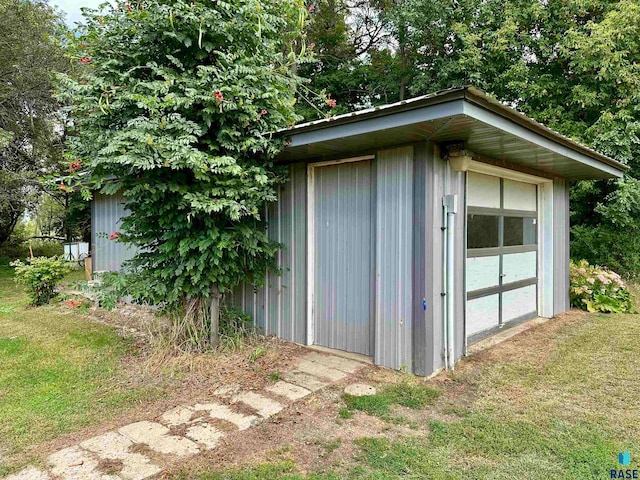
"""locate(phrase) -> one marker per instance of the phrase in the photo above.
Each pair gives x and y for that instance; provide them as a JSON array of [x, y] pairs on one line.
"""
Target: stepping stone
[[227, 390], [205, 434], [223, 412], [74, 463], [320, 370], [288, 390], [339, 363], [359, 390], [305, 380], [158, 438], [115, 446], [30, 473], [177, 416], [263, 405]]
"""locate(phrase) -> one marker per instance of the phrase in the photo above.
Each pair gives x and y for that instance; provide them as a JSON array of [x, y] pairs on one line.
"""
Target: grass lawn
[[59, 372], [559, 401]]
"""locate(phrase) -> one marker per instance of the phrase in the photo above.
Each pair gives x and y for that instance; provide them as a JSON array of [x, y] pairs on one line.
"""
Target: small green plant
[[597, 289], [256, 354], [108, 288], [345, 413], [275, 376], [41, 276]]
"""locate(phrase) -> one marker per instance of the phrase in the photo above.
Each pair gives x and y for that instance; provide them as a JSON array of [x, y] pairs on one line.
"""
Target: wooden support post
[[214, 314], [88, 269]]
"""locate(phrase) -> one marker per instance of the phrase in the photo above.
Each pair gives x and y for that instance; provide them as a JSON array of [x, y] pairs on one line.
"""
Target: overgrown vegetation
[[41, 276], [598, 289], [174, 106]]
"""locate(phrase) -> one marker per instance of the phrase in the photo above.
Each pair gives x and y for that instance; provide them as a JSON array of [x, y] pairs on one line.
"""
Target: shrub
[[40, 276], [17, 248], [598, 289], [613, 247]]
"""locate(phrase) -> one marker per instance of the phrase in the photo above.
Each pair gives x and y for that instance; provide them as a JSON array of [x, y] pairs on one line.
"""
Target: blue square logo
[[624, 458]]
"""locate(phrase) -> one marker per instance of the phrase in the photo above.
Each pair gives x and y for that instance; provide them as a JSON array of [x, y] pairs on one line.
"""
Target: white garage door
[[502, 253]]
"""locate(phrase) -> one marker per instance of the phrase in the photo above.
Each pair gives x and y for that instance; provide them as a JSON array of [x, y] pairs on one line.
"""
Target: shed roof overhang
[[485, 126]]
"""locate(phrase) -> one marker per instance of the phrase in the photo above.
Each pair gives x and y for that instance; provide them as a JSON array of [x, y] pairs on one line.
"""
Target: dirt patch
[[110, 467], [179, 430], [222, 425]]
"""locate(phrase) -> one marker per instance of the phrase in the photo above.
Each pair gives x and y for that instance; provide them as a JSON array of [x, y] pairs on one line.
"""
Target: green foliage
[[570, 65], [175, 106], [345, 413], [618, 249], [597, 289], [256, 354], [405, 394], [40, 276], [30, 136], [108, 288], [17, 248], [236, 327]]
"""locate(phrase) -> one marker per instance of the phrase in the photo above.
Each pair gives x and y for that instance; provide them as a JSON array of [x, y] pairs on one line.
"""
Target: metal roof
[[487, 127]]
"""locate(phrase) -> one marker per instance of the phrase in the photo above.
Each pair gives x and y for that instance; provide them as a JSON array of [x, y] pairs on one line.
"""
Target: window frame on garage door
[[543, 214]]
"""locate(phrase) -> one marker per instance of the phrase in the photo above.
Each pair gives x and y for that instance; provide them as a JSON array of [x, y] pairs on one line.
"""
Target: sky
[[72, 8]]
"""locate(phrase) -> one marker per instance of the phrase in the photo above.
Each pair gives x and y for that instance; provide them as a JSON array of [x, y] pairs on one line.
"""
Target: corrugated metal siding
[[279, 307], [423, 334], [560, 246], [394, 263], [344, 238], [106, 212], [440, 180]]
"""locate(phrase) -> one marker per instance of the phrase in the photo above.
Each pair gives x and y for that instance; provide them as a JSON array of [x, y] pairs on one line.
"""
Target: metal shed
[[412, 229]]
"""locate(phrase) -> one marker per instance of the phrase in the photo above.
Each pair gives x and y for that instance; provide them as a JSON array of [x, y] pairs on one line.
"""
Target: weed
[[256, 354], [275, 376], [345, 413]]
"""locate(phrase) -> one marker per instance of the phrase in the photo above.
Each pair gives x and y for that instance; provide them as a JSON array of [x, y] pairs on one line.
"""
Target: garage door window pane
[[482, 231], [519, 231]]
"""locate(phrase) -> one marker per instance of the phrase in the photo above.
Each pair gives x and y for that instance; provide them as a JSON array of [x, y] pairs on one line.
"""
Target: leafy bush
[[40, 276], [17, 248], [612, 246], [598, 289], [108, 289]]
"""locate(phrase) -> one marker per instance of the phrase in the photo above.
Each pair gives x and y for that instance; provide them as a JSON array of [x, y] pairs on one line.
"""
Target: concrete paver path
[[120, 454]]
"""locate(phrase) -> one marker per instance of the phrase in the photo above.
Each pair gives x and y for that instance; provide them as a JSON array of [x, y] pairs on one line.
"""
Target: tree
[[175, 105], [573, 66], [29, 141]]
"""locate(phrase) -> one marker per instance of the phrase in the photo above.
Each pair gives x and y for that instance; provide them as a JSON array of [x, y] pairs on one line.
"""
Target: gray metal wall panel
[[106, 212], [435, 189], [457, 186], [279, 307], [422, 347], [343, 305], [560, 246], [394, 263], [441, 180]]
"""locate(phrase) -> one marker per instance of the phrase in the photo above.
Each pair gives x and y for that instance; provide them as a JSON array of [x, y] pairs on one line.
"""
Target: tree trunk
[[214, 315]]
